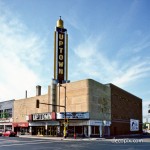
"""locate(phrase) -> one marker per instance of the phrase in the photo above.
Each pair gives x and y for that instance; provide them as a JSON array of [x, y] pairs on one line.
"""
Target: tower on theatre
[[60, 60]]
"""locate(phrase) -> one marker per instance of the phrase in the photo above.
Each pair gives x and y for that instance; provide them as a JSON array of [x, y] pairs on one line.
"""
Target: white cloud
[[88, 48], [20, 53], [133, 72], [93, 63]]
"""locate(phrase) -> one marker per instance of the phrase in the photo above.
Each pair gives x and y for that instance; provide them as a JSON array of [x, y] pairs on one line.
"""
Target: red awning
[[20, 124]]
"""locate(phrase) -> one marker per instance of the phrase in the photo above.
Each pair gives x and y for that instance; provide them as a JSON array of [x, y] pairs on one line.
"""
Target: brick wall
[[124, 106], [23, 107]]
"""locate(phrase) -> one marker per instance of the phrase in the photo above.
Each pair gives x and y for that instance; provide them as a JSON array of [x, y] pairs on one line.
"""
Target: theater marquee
[[44, 116], [73, 115]]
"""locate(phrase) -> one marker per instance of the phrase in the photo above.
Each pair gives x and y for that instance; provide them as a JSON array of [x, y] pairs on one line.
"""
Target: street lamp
[[65, 125]]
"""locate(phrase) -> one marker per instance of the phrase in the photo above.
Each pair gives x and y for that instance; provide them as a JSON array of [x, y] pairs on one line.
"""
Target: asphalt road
[[16, 143]]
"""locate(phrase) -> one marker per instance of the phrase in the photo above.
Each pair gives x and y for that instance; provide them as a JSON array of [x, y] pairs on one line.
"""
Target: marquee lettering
[[61, 64], [61, 43], [61, 36], [45, 116], [61, 57], [61, 71], [61, 50]]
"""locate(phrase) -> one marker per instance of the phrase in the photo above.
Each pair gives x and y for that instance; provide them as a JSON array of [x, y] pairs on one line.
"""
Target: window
[[1, 113], [8, 113]]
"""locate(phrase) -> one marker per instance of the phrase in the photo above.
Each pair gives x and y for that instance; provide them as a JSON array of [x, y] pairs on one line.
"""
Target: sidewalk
[[60, 138]]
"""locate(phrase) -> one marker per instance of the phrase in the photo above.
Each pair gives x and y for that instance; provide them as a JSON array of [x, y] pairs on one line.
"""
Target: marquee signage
[[73, 115], [42, 116], [60, 53], [61, 56]]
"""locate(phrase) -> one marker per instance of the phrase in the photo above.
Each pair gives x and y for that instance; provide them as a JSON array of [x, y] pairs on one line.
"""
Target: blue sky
[[109, 41]]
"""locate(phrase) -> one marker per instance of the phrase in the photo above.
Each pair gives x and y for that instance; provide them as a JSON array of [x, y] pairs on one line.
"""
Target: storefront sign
[[42, 116], [99, 123], [134, 125], [73, 115], [95, 122], [6, 120]]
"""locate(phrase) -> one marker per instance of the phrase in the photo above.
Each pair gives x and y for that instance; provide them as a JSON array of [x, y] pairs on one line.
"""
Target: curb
[[61, 138]]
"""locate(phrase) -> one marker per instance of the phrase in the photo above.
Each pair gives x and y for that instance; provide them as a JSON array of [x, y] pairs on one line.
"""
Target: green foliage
[[4, 115]]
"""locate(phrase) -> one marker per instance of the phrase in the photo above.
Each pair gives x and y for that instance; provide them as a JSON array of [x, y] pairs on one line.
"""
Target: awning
[[20, 124]]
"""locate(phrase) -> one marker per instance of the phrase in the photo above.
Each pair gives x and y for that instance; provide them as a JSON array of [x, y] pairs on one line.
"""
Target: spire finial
[[60, 23]]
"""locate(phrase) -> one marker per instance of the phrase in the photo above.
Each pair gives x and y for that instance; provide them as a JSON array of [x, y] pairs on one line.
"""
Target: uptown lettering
[[61, 53]]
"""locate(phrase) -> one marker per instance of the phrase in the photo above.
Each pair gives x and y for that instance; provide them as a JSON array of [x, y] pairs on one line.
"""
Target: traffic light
[[37, 103]]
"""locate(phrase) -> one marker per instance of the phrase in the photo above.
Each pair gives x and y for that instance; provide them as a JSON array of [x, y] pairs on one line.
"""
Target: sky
[[109, 41]]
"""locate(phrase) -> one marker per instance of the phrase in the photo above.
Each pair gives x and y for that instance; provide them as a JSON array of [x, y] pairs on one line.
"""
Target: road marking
[[18, 144], [29, 142]]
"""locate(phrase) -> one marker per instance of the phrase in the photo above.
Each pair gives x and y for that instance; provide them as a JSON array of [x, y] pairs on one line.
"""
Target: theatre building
[[87, 111], [92, 109]]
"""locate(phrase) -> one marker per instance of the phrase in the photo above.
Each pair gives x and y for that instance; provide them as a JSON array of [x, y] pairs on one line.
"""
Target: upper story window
[[7, 113], [1, 113]]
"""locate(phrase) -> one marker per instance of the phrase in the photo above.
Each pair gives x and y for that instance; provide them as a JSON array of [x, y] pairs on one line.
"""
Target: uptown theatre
[[85, 108]]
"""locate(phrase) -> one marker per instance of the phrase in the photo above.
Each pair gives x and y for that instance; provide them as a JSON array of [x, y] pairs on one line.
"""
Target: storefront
[[21, 127], [77, 123], [80, 124], [50, 128], [98, 128], [6, 124], [44, 124]]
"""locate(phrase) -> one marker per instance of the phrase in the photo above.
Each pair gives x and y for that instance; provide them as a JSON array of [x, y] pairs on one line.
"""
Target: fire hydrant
[[74, 135]]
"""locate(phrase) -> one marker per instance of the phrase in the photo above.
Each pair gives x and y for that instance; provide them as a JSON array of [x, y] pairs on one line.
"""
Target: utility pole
[[65, 119]]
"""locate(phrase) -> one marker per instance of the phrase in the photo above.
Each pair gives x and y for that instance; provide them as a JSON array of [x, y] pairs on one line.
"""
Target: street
[[17, 143]]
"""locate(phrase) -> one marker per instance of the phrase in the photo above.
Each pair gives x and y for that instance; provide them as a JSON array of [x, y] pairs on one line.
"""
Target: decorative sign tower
[[60, 53], [60, 61]]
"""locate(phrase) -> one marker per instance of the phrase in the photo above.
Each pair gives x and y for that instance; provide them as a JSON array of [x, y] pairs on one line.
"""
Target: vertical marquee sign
[[61, 56], [60, 53]]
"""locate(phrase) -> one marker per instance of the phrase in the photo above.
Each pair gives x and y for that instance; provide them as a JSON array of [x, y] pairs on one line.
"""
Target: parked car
[[9, 133]]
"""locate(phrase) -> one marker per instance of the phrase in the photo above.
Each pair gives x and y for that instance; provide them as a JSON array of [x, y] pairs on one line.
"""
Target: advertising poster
[[134, 125]]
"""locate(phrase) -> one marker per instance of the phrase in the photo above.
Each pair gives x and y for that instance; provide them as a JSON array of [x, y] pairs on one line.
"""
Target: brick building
[[93, 109], [6, 115], [23, 108], [87, 107]]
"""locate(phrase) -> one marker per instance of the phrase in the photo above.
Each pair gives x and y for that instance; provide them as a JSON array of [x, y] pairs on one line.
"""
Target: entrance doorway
[[40, 130], [52, 130]]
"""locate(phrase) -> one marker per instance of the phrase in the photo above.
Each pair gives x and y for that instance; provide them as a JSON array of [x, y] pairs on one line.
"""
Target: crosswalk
[[9, 142]]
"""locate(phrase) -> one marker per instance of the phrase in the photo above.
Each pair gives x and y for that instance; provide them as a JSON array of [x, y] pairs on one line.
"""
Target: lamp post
[[65, 125]]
